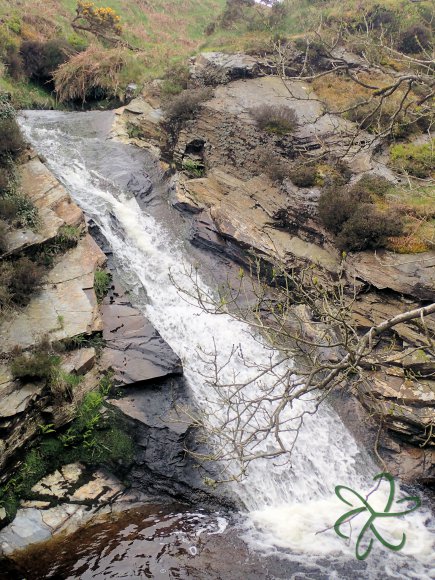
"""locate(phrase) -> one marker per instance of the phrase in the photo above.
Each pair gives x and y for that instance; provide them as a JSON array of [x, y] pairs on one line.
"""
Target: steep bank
[[238, 211], [146, 244]]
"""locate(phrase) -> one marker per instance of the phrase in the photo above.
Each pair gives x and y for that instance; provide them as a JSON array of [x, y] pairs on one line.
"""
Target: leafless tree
[[310, 346]]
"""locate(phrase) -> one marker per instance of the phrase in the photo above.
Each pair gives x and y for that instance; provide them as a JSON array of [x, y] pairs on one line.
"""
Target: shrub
[[93, 73], [11, 139], [277, 119], [368, 228], [370, 186], [41, 59], [102, 281], [14, 63], [335, 208], [417, 160], [415, 39], [185, 105], [26, 277], [39, 365], [3, 237], [8, 208], [304, 176], [175, 80], [273, 165]]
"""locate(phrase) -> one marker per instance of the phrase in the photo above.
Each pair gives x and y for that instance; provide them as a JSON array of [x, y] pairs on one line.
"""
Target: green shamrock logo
[[370, 524]]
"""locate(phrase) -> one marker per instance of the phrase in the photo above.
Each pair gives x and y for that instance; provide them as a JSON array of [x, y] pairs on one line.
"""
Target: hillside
[[164, 30]]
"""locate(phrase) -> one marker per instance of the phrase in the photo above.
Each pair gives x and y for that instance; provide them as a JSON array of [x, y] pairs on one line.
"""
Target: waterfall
[[287, 503]]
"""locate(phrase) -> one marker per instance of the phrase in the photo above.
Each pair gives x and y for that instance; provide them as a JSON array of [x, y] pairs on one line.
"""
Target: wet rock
[[140, 185], [134, 349]]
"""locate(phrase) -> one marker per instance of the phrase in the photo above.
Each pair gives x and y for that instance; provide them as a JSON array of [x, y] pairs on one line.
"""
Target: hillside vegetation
[[163, 30]]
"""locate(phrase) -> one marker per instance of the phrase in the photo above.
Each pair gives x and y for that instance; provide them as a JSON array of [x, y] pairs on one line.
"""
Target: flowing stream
[[287, 503]]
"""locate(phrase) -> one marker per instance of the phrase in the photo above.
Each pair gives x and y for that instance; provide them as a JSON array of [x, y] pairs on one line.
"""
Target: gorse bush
[[417, 160], [41, 59], [185, 105], [277, 119]]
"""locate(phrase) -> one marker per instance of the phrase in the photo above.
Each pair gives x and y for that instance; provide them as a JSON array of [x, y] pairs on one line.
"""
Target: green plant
[[304, 176], [185, 105], [175, 80], [41, 59], [134, 131], [39, 365], [46, 428], [368, 229], [26, 277], [193, 167], [277, 119], [102, 280], [417, 160], [106, 383]]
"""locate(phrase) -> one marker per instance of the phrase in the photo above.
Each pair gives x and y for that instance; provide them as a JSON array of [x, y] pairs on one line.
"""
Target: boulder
[[212, 68]]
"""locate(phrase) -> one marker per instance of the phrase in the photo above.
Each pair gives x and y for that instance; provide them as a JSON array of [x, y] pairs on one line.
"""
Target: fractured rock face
[[134, 349], [53, 202], [65, 306]]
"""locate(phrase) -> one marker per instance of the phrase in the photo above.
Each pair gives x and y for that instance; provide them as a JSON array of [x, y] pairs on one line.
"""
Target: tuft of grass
[[277, 119], [193, 168], [102, 280]]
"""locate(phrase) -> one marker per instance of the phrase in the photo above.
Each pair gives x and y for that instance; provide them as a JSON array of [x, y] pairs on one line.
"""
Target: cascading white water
[[288, 503]]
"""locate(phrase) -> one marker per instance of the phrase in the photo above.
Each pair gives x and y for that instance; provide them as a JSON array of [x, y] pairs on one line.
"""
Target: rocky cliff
[[238, 210]]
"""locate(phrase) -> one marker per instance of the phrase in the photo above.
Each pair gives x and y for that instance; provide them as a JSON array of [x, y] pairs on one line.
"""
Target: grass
[[165, 31], [102, 281]]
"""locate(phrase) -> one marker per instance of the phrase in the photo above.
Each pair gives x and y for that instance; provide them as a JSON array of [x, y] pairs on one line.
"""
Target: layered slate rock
[[64, 501], [242, 212], [65, 305], [134, 349], [53, 202], [413, 275]]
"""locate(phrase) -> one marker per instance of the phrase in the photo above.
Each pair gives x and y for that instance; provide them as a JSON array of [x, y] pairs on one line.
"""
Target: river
[[289, 506]]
